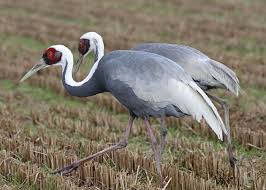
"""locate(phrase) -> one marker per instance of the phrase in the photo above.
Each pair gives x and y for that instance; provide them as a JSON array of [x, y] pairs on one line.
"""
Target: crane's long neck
[[87, 87], [98, 49]]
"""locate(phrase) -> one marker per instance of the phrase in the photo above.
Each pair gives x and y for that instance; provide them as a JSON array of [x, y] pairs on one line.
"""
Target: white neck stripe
[[68, 74]]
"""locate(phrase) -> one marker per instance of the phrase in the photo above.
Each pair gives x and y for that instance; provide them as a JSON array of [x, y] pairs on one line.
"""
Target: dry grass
[[44, 128]]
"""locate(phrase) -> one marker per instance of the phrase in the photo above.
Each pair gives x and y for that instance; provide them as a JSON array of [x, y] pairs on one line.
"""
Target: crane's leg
[[232, 158], [163, 134], [155, 149], [121, 144]]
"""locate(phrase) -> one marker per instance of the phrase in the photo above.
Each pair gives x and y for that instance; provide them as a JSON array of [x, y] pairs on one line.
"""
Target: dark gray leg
[[163, 133], [121, 144], [155, 149], [232, 158]]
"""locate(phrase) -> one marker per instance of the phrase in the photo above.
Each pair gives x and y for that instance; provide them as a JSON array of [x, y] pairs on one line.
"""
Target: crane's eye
[[84, 46], [51, 56]]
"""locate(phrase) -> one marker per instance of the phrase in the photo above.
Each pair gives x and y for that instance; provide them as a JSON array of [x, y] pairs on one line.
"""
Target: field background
[[42, 128]]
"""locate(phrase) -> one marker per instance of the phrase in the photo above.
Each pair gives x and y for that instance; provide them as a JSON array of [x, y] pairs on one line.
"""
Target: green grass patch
[[248, 46], [139, 143], [18, 44], [249, 152], [53, 16], [258, 93], [40, 94], [182, 132]]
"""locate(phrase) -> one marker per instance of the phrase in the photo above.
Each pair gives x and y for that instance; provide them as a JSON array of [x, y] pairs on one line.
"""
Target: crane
[[147, 84], [206, 72]]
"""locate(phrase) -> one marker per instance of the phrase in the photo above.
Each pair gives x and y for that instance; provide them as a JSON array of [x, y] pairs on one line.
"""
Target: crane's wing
[[223, 74], [161, 82], [205, 71]]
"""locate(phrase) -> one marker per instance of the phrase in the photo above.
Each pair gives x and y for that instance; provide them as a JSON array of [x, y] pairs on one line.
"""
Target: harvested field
[[43, 128]]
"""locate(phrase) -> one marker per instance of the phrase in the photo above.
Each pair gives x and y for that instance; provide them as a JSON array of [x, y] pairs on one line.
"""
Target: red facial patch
[[51, 56], [84, 45]]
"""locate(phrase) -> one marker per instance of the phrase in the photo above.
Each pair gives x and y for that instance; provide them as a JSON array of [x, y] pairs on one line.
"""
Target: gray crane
[[206, 72], [147, 84]]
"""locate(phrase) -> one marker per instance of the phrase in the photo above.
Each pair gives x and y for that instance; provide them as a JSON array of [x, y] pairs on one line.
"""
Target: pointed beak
[[78, 63], [40, 65]]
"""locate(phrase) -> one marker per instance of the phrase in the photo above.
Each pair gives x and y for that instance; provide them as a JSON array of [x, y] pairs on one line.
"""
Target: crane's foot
[[162, 183], [68, 169], [232, 158], [165, 183]]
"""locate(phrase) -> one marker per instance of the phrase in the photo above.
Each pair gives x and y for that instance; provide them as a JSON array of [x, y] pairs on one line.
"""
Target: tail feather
[[210, 113], [226, 76], [192, 100]]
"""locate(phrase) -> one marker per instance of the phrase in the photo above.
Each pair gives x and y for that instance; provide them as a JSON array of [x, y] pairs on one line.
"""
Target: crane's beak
[[40, 65], [78, 63]]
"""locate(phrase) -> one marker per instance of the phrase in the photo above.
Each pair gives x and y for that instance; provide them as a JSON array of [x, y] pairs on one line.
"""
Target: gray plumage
[[147, 84], [206, 72], [150, 85]]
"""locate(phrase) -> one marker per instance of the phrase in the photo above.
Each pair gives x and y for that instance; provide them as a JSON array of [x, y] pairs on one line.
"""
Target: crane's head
[[52, 56], [88, 42]]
